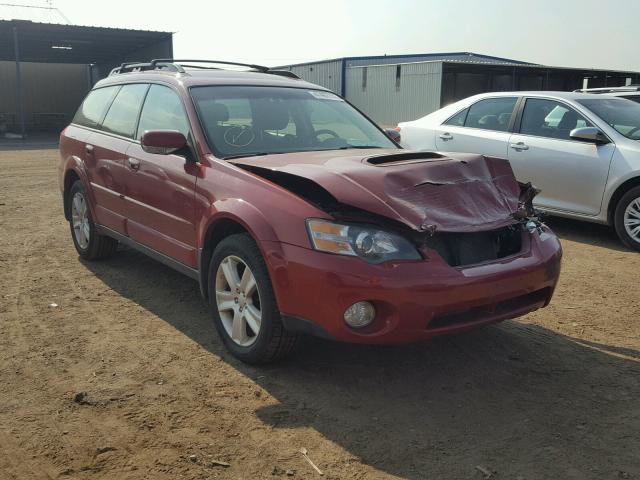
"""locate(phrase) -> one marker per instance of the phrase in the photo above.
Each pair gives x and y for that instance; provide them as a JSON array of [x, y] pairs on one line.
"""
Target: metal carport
[[99, 48]]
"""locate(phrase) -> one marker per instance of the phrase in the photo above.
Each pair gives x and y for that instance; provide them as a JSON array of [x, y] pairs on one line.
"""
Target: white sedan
[[582, 150]]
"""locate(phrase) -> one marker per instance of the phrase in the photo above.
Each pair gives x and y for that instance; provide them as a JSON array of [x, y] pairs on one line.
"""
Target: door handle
[[89, 149], [446, 136], [519, 146], [134, 163]]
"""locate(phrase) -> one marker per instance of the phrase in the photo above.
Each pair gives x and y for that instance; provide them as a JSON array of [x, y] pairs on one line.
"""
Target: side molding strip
[[160, 257]]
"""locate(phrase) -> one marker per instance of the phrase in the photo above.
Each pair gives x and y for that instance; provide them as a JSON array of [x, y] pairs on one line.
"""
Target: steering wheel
[[326, 131], [239, 136]]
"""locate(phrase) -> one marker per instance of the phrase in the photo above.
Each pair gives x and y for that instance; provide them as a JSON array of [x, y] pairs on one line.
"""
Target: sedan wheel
[[632, 220], [627, 218], [238, 301]]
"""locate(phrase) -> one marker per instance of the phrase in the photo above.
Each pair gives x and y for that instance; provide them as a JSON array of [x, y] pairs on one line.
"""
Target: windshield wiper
[[347, 147], [259, 154], [244, 155]]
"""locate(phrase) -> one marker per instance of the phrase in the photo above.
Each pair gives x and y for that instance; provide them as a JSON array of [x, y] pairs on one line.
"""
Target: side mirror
[[393, 134], [163, 142], [589, 134]]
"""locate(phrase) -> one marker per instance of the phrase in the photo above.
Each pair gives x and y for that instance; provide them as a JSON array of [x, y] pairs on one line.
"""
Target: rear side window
[[491, 114], [122, 116], [94, 106], [163, 110]]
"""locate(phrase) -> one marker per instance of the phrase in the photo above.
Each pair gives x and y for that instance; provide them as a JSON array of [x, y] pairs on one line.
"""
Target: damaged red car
[[295, 213]]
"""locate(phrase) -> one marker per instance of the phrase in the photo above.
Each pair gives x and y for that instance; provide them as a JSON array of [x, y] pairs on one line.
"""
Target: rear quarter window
[[458, 119], [95, 106]]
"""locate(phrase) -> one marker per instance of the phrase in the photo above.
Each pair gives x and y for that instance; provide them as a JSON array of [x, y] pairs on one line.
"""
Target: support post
[[19, 97], [89, 76]]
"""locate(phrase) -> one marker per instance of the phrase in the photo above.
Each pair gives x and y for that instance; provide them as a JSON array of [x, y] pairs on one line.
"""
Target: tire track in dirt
[[523, 398]]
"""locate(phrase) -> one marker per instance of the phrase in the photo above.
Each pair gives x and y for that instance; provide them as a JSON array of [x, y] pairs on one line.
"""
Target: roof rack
[[628, 88], [177, 65]]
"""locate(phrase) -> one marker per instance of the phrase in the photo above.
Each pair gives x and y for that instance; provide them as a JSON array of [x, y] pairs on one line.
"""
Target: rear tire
[[242, 301], [89, 244], [627, 218]]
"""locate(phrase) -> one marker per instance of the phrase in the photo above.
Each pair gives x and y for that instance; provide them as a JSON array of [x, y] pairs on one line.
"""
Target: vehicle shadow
[[586, 232], [516, 399]]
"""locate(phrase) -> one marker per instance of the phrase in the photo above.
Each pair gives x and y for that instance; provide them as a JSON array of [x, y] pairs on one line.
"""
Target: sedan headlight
[[367, 242]]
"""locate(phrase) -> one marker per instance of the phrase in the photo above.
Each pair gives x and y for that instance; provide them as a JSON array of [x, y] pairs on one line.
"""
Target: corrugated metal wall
[[389, 99], [48, 89], [326, 74]]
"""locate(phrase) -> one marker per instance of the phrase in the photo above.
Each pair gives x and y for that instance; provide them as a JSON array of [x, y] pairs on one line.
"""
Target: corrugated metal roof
[[54, 42], [452, 56], [417, 57], [532, 66]]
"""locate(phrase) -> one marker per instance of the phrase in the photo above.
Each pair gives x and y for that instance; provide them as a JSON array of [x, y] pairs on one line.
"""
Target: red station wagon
[[295, 212]]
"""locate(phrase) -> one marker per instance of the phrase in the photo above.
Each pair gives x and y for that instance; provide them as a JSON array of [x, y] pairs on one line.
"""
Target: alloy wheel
[[80, 220], [632, 219], [238, 300]]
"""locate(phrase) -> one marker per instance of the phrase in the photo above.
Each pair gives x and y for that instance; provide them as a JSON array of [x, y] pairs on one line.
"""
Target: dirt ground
[[126, 379]]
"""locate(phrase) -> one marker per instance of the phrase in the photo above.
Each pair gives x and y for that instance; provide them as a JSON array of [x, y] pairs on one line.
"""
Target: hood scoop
[[402, 158]]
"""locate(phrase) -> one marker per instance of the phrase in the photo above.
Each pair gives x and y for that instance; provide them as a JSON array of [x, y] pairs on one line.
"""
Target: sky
[[568, 33]]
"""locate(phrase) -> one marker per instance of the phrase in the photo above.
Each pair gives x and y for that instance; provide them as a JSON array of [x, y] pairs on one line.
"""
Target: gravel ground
[[126, 379]]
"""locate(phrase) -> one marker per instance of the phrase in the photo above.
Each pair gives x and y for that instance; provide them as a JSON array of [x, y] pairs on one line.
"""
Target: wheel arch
[[618, 194], [241, 219], [70, 177]]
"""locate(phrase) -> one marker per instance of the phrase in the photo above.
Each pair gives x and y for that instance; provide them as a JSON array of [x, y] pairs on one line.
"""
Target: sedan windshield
[[245, 121], [621, 114]]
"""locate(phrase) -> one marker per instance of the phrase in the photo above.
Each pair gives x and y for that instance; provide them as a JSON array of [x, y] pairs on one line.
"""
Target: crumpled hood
[[424, 190]]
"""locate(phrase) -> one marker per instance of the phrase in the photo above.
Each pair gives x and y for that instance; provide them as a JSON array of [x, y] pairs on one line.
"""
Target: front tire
[[89, 244], [244, 306], [627, 218]]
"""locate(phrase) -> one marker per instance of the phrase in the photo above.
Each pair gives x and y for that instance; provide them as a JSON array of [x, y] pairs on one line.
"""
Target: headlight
[[366, 242]]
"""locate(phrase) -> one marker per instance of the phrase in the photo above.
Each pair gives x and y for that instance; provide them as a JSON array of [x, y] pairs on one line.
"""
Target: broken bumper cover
[[413, 300]]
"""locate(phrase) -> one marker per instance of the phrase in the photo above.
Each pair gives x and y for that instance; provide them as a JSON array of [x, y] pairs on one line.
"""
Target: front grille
[[461, 249], [522, 303]]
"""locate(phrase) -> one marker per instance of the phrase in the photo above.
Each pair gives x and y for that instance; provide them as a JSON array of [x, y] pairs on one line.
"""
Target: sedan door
[[481, 128], [571, 174], [160, 189]]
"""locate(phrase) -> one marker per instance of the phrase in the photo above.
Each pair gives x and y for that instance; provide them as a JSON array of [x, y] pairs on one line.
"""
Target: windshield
[[248, 120], [619, 113]]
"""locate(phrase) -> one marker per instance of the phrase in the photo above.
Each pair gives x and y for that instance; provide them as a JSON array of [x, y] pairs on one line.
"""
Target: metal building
[[46, 69], [396, 88]]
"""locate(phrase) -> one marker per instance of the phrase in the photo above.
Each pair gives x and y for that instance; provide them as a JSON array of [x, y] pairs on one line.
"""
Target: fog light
[[359, 314]]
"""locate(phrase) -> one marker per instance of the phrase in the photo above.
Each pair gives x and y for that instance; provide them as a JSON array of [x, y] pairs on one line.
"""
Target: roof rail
[[627, 88], [129, 67], [157, 61], [177, 65]]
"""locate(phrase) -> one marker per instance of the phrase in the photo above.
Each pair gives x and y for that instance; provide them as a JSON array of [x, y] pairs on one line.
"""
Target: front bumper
[[413, 300]]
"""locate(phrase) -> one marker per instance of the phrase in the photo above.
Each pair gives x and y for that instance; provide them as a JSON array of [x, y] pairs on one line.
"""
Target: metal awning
[[58, 43], [27, 41]]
